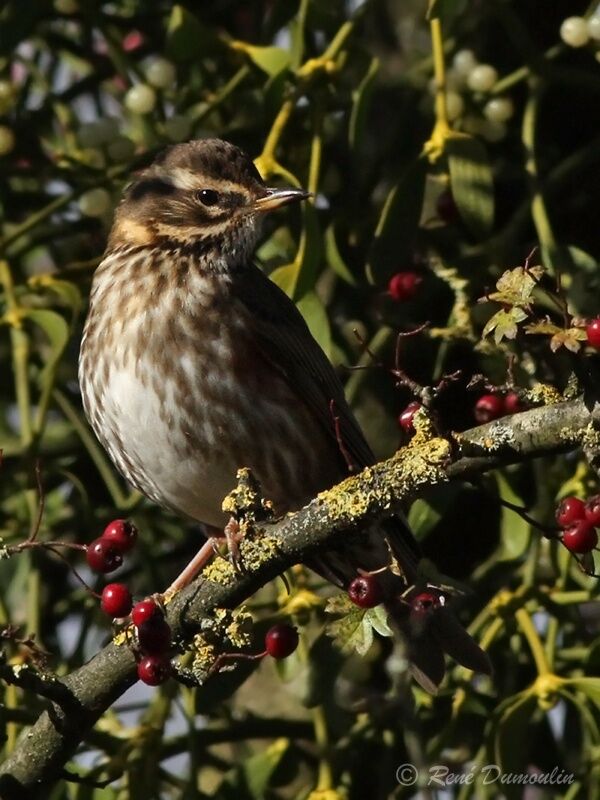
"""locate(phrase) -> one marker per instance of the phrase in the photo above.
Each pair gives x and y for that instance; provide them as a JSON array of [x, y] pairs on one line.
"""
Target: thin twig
[[338, 435], [41, 502]]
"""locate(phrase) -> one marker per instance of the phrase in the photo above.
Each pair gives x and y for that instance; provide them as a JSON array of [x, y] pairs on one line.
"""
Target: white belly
[[162, 458]]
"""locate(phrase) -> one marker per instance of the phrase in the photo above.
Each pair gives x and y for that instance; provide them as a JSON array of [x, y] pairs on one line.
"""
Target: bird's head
[[204, 193]]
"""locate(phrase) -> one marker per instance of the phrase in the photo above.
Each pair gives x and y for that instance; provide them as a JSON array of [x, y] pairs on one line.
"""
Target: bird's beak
[[279, 197]]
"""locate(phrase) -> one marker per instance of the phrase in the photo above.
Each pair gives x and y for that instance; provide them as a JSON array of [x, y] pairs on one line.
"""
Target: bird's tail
[[421, 612]]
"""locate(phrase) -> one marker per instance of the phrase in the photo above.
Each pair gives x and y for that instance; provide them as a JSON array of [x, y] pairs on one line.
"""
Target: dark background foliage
[[334, 96]]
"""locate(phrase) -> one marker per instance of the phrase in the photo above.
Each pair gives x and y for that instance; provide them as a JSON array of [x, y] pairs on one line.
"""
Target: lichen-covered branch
[[80, 698]]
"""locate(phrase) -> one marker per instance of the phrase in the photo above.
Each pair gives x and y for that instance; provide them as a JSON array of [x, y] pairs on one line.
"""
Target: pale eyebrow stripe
[[183, 178]]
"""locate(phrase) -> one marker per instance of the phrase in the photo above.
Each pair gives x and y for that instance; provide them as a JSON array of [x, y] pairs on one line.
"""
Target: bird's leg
[[232, 535], [189, 572]]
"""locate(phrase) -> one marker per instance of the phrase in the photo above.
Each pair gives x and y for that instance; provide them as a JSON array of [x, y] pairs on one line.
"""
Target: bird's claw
[[233, 536]]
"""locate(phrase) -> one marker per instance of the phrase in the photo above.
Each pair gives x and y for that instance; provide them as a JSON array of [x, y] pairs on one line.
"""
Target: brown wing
[[286, 341]]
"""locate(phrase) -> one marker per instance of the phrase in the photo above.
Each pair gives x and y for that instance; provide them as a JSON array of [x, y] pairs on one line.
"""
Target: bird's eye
[[207, 197]]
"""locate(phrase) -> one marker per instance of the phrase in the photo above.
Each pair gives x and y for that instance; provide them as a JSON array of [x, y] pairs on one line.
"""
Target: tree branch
[[374, 494]]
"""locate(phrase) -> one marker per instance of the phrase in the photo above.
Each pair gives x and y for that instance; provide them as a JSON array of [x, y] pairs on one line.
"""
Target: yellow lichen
[[205, 655], [570, 436], [544, 394], [246, 500], [591, 438], [122, 637], [219, 571], [421, 463]]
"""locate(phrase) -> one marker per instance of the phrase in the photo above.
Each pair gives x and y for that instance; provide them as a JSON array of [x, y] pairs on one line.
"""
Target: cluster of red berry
[[104, 555], [579, 521], [403, 285], [487, 408], [154, 639], [365, 592], [493, 406]]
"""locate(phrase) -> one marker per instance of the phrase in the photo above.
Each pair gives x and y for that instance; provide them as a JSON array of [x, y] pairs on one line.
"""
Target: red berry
[[154, 636], [154, 670], [488, 408], [281, 641], [365, 591], [592, 510], [405, 419], [580, 537], [446, 208], [132, 41], [121, 533], [103, 556], [569, 511], [424, 602], [116, 600], [145, 610], [513, 403], [593, 333], [403, 285]]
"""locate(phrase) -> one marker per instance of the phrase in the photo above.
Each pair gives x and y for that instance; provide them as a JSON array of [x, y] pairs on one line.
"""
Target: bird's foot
[[233, 536]]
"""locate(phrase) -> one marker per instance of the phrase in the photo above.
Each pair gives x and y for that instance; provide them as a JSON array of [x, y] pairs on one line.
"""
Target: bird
[[194, 364]]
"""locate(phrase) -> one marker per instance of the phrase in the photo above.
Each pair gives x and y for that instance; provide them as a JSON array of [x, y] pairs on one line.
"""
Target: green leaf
[[187, 38], [398, 224], [378, 619], [590, 687], [68, 292], [424, 515], [314, 313], [446, 10], [512, 729], [57, 331], [339, 604], [334, 258], [297, 33], [253, 776], [587, 716], [299, 277], [353, 632], [325, 663], [271, 60], [361, 99], [515, 532], [472, 183]]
